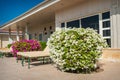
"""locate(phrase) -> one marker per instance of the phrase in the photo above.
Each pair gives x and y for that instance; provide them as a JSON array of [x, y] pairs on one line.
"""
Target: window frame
[[39, 36], [101, 20]]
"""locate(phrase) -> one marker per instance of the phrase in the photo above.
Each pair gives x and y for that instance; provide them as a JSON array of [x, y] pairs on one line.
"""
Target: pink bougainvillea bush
[[25, 45]]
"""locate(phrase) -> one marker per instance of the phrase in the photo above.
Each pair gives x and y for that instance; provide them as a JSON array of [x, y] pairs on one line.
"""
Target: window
[[108, 40], [73, 24], [106, 33], [106, 24], [62, 25], [106, 27], [40, 37], [35, 35], [30, 36], [91, 22], [106, 15]]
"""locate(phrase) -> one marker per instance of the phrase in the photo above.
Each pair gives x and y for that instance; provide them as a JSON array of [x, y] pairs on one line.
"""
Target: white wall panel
[[86, 8]]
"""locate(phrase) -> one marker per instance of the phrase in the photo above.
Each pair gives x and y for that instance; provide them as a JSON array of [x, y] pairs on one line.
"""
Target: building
[[4, 38], [50, 15]]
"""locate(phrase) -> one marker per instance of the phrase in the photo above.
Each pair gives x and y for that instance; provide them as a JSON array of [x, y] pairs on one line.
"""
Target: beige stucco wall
[[4, 40], [38, 29], [89, 8], [80, 10]]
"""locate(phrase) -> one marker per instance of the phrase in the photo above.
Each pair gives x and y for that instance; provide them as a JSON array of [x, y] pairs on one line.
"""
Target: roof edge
[[30, 12]]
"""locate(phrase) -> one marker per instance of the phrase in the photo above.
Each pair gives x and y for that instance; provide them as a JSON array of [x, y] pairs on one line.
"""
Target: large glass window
[[73, 24], [91, 22]]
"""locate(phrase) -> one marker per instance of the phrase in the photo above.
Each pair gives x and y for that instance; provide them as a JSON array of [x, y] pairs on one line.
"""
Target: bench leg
[[43, 60], [17, 59], [22, 61], [28, 63], [2, 55]]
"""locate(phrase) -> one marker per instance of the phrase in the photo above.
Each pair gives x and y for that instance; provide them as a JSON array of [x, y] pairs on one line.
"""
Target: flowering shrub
[[43, 45], [76, 49], [25, 45], [9, 45]]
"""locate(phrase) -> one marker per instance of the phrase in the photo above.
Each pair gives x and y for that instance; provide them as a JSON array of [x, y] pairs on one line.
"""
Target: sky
[[10, 9]]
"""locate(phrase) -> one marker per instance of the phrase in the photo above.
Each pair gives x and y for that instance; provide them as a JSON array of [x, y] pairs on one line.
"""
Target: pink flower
[[25, 45]]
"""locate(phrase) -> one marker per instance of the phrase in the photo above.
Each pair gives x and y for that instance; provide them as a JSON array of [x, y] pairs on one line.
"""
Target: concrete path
[[10, 70]]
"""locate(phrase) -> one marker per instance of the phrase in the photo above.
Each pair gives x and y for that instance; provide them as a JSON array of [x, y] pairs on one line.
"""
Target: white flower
[[76, 50]]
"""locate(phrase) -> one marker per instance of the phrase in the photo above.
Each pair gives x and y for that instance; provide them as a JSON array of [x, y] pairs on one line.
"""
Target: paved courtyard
[[10, 70]]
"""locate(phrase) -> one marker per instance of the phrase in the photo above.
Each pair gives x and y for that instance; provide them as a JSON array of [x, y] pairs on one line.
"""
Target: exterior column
[[118, 21], [23, 33], [10, 39], [26, 32], [115, 30], [1, 41], [17, 36], [100, 25]]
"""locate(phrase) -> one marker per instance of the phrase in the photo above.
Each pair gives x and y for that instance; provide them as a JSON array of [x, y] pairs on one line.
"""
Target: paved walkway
[[10, 70]]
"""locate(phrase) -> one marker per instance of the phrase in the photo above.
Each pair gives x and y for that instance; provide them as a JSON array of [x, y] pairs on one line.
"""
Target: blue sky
[[9, 9]]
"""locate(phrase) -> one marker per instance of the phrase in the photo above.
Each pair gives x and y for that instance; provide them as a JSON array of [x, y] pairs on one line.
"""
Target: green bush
[[9, 45], [76, 49], [43, 45]]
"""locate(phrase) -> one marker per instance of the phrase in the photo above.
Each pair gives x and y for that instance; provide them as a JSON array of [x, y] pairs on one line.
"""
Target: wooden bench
[[33, 54], [4, 52]]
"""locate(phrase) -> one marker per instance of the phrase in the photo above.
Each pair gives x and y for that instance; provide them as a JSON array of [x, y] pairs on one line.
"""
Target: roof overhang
[[41, 14], [32, 11]]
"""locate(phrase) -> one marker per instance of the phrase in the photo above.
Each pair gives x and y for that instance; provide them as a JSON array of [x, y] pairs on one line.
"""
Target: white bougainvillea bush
[[76, 49]]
